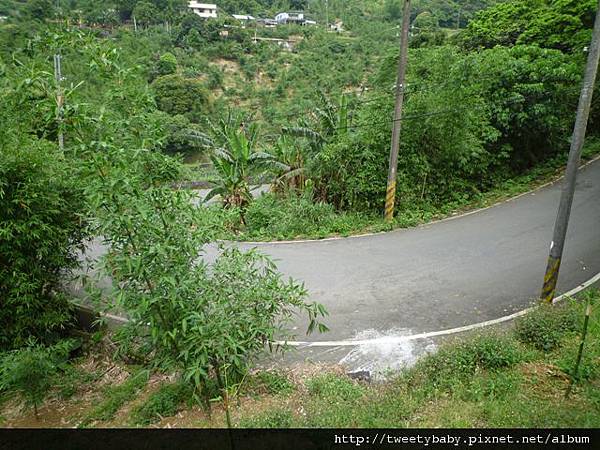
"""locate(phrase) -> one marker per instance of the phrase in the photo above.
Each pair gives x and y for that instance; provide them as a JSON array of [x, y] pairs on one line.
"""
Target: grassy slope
[[514, 378], [487, 381]]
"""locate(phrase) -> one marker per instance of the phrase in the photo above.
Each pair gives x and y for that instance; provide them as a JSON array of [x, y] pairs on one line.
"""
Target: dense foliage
[[490, 96], [42, 217], [483, 105]]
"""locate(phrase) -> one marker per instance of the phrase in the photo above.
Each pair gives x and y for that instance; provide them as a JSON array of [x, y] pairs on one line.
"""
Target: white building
[[243, 17], [291, 17], [204, 10]]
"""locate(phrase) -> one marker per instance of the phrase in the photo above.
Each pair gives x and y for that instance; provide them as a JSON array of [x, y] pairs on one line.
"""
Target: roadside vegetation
[[489, 101], [141, 107], [514, 377]]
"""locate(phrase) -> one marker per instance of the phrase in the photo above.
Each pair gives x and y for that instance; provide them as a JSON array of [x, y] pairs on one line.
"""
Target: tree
[[426, 21], [179, 135], [289, 165], [167, 64], [125, 8], [176, 94], [145, 13], [42, 212], [330, 124], [393, 9], [561, 24], [40, 9]]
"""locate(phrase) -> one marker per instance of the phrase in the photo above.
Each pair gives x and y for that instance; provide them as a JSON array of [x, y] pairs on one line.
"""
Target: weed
[[269, 382], [278, 418], [162, 403], [453, 364], [32, 371], [546, 326], [116, 397], [331, 386]]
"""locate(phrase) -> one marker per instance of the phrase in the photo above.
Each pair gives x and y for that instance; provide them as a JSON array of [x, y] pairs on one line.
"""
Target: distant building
[[204, 10], [243, 17], [290, 17], [269, 23]]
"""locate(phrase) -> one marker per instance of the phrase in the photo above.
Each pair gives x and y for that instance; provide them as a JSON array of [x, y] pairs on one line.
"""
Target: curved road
[[444, 275]]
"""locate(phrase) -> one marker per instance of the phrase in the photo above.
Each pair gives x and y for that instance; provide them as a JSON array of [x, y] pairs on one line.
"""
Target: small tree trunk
[[588, 311], [225, 397]]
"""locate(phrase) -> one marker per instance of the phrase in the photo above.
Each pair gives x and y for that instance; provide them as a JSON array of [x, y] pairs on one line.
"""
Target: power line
[[425, 87], [422, 115]]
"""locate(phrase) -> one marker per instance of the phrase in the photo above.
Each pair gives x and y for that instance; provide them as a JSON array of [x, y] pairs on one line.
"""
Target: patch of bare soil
[[545, 379], [227, 65], [57, 412]]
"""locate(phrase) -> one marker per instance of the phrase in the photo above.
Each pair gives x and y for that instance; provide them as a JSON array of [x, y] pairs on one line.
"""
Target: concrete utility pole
[[390, 196], [568, 190], [60, 100]]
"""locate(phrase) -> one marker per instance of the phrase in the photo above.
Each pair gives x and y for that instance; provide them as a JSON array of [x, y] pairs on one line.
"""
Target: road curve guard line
[[431, 334], [423, 225], [119, 321]]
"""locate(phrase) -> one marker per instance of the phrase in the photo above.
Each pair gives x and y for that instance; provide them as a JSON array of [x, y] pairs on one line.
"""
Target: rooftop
[[194, 4]]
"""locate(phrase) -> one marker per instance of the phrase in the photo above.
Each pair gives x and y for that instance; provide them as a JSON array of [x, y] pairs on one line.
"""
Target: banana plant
[[235, 156], [288, 163], [329, 121]]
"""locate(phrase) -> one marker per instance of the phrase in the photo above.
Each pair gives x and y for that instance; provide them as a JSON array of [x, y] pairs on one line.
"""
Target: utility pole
[[390, 196], [60, 99], [568, 190], [327, 15]]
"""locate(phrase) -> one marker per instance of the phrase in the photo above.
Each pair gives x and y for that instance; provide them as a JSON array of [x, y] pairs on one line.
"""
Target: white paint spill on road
[[382, 352]]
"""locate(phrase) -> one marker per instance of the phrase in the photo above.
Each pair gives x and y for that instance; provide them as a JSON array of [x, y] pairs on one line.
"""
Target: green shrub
[[545, 327], [178, 95], [43, 224], [456, 362], [293, 216], [167, 64], [331, 386], [32, 371], [209, 320], [179, 135], [162, 403]]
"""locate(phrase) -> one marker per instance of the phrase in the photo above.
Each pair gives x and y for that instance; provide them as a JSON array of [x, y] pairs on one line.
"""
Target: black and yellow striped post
[[568, 190], [550, 279], [389, 200], [390, 194]]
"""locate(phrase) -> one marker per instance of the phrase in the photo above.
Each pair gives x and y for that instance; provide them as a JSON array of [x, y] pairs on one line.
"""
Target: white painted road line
[[431, 334]]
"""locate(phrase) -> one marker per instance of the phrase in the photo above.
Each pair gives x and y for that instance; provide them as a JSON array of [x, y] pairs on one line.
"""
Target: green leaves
[[42, 217], [201, 317], [234, 156], [32, 370]]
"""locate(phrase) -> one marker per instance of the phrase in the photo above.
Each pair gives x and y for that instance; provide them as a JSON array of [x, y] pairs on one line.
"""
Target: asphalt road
[[444, 275], [200, 194], [448, 274]]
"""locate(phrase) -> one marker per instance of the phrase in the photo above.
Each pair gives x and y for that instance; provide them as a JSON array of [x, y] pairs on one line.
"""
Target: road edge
[[423, 225]]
